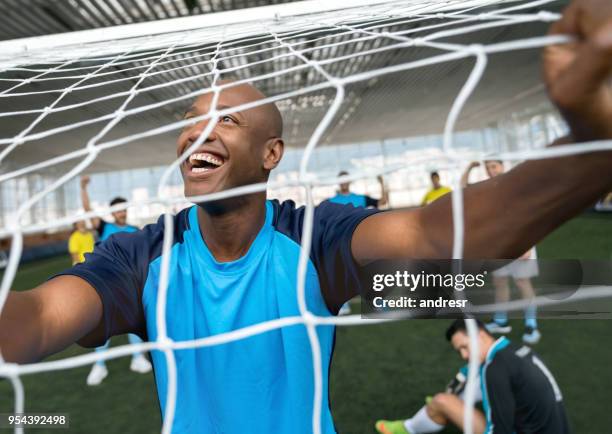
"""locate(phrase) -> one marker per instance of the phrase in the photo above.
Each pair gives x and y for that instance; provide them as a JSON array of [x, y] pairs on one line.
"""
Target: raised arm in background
[[84, 182]]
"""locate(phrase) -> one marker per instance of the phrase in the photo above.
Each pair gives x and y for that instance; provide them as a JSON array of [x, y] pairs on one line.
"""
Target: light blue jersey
[[261, 384], [107, 229], [357, 200]]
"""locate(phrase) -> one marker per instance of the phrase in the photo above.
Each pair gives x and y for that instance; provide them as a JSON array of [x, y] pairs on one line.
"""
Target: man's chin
[[193, 191]]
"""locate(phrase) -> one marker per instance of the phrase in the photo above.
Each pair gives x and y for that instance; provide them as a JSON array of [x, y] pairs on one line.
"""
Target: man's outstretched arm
[[47, 319], [508, 214]]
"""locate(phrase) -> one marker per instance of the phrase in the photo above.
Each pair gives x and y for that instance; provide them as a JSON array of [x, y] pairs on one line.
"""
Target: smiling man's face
[[240, 150]]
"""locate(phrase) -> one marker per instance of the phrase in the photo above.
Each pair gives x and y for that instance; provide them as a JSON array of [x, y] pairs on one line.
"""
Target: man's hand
[[465, 178], [384, 198], [578, 75]]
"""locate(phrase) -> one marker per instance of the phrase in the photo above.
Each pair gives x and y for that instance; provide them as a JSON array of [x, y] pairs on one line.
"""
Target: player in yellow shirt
[[81, 241], [438, 190]]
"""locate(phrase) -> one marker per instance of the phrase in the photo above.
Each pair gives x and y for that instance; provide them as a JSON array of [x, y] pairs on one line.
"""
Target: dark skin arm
[[537, 196], [47, 319]]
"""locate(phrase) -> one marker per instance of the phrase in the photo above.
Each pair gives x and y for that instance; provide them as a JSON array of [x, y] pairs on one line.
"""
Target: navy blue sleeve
[[331, 254], [117, 269]]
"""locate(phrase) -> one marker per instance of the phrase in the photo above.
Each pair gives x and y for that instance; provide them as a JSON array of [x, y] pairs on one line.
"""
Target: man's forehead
[[229, 97], [266, 116]]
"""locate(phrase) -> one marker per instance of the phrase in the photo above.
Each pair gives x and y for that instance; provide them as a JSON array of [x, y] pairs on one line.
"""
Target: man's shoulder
[[508, 359], [179, 221], [329, 217], [288, 209], [150, 237]]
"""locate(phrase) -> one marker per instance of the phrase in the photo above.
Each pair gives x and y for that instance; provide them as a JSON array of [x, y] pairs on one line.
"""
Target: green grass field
[[381, 371]]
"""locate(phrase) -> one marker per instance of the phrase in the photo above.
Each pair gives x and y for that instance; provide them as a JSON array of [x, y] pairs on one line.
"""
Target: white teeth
[[205, 156], [199, 169]]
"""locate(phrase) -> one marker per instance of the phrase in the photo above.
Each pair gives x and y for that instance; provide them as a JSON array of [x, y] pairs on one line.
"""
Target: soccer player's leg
[[345, 309], [442, 409], [420, 423], [139, 362], [532, 335], [447, 408], [501, 283], [98, 371]]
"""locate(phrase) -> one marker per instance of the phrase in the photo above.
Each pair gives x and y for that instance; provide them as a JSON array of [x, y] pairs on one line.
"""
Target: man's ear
[[273, 153]]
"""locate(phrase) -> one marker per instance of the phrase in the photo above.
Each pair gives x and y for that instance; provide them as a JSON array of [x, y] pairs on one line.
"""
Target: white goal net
[[359, 71]]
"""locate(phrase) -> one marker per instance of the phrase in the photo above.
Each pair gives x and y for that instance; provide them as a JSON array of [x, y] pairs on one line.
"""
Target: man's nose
[[198, 129]]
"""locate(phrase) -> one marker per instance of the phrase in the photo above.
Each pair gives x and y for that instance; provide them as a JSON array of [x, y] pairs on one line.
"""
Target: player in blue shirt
[[105, 229], [344, 196], [234, 261]]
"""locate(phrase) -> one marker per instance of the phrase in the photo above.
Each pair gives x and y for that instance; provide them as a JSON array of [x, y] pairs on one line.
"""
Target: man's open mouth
[[201, 162]]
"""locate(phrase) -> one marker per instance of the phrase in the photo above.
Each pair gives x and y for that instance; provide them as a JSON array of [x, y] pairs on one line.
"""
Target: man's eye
[[227, 118]]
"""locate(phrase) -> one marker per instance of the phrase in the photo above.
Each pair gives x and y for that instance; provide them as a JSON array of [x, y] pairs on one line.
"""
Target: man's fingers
[[566, 25], [586, 71], [577, 74]]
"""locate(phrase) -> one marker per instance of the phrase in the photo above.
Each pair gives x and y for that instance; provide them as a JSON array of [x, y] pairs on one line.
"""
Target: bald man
[[234, 261]]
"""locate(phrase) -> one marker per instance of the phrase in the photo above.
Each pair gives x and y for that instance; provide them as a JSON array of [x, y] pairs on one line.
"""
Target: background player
[[105, 229], [264, 383], [439, 411], [518, 392], [345, 196], [522, 271], [81, 241], [437, 189]]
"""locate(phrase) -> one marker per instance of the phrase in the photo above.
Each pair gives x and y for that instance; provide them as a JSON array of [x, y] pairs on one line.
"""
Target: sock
[[421, 423], [501, 318], [531, 317], [101, 349], [134, 339]]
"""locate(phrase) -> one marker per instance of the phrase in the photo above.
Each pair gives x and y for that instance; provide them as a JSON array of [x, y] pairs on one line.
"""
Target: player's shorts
[[519, 269]]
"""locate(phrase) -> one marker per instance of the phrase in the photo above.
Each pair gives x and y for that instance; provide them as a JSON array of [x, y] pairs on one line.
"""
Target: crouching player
[[439, 411], [518, 392]]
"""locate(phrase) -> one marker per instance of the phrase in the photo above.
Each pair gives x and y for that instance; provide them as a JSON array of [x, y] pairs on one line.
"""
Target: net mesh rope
[[321, 53]]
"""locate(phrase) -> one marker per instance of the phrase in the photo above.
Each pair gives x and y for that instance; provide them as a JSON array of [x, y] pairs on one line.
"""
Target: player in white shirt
[[521, 270]]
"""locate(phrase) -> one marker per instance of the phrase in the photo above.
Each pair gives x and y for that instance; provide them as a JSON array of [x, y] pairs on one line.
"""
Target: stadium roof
[[405, 103], [25, 18]]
